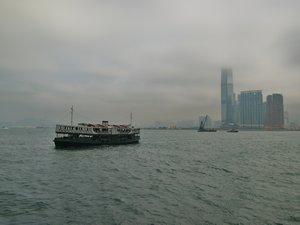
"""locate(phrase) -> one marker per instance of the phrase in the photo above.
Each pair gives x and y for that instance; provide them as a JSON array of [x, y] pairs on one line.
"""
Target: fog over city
[[160, 59]]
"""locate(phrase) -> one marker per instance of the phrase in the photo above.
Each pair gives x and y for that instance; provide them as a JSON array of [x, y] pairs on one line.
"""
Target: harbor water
[[170, 177]]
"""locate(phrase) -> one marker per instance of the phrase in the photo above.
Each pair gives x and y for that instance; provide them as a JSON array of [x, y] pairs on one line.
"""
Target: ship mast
[[131, 119], [72, 115]]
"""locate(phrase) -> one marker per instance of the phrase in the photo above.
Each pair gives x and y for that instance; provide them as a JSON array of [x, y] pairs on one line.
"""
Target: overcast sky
[[160, 59]]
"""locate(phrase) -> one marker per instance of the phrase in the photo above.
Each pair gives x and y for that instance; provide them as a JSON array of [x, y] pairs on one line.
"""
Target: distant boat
[[85, 134], [202, 126], [233, 130]]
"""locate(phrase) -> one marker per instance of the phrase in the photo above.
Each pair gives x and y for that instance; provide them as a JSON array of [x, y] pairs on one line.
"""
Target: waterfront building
[[274, 114], [236, 108], [251, 109], [227, 98], [286, 120]]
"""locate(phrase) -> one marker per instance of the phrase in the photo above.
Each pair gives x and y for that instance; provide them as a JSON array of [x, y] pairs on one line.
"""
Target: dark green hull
[[96, 140], [207, 130]]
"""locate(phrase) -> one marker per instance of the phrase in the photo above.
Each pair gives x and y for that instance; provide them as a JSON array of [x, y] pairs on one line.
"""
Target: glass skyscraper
[[274, 118], [227, 98], [251, 109]]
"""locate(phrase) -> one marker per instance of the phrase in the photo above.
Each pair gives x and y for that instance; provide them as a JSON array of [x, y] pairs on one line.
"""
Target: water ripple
[[171, 177]]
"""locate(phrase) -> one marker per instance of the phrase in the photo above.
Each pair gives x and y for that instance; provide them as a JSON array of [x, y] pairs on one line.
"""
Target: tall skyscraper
[[274, 114], [251, 109], [227, 98]]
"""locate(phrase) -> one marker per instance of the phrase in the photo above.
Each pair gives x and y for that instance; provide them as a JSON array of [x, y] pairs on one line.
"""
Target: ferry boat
[[85, 134]]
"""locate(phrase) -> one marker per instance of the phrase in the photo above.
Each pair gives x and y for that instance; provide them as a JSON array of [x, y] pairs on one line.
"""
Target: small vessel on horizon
[[202, 126], [233, 130], [85, 134]]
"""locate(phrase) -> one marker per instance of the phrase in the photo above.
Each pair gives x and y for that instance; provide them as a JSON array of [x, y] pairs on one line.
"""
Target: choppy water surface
[[171, 177]]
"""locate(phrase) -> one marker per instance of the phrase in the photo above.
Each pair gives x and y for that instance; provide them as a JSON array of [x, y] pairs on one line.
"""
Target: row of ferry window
[[98, 130], [105, 130], [73, 128], [124, 130]]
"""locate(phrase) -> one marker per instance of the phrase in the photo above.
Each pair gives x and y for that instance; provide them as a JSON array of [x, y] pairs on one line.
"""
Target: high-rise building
[[227, 98], [274, 114], [251, 109], [236, 108]]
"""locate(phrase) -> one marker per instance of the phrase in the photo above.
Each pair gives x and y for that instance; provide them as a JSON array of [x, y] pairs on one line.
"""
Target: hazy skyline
[[160, 60]]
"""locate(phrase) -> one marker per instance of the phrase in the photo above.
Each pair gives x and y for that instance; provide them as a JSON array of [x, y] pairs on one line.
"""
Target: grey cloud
[[160, 59], [290, 47]]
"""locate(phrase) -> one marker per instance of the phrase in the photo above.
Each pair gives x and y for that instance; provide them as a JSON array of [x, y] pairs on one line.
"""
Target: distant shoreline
[[218, 129]]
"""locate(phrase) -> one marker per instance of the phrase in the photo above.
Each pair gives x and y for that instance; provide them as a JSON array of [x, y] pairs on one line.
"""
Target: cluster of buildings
[[248, 109]]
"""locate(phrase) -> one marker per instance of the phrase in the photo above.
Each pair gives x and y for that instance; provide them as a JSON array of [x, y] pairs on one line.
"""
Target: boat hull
[[232, 131], [207, 130], [94, 141]]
